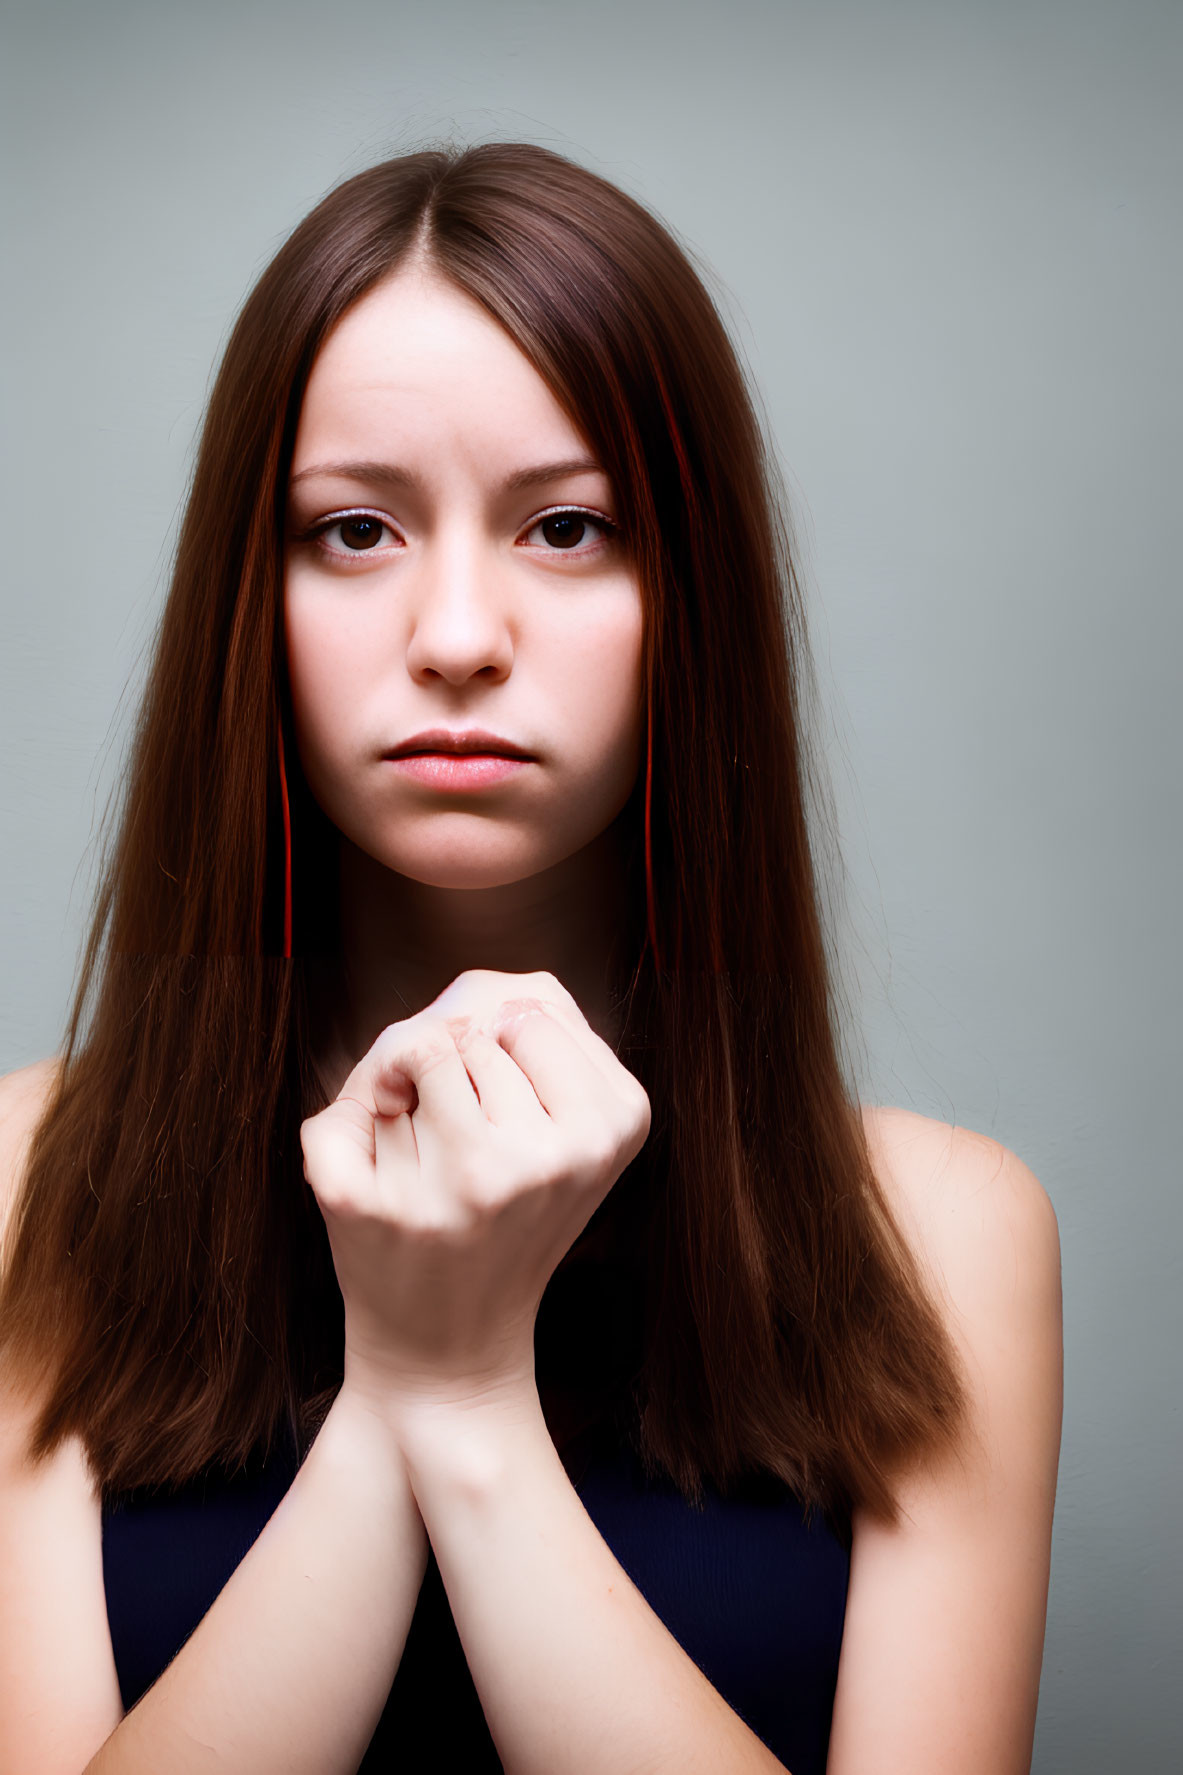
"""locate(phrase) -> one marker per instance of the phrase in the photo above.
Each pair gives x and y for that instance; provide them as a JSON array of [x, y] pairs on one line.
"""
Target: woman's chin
[[476, 860], [472, 872]]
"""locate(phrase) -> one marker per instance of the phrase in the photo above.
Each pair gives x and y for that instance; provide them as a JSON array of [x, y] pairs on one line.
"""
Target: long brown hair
[[170, 1285]]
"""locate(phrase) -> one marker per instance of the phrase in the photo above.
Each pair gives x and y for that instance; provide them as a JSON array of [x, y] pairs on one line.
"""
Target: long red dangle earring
[[287, 850], [650, 913]]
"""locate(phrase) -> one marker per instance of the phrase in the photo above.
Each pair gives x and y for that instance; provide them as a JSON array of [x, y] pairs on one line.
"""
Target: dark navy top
[[754, 1596]]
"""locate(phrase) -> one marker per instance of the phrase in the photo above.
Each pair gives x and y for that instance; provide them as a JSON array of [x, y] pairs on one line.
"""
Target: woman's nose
[[460, 619]]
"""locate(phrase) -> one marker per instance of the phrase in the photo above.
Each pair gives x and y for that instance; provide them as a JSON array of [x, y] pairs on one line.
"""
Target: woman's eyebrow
[[551, 471], [391, 474], [382, 473]]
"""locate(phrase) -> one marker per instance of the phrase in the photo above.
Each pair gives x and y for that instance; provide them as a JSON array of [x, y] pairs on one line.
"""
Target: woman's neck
[[402, 942]]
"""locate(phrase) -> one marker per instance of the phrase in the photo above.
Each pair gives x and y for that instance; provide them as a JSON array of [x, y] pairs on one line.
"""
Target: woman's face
[[451, 565]]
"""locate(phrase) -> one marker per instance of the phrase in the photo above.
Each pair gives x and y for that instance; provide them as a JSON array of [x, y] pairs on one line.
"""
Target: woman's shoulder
[[946, 1604], [979, 1223], [27, 1085], [23, 1097], [961, 1198]]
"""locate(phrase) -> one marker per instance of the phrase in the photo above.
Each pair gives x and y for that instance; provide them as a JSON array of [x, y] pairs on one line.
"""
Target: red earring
[[287, 851], [650, 915]]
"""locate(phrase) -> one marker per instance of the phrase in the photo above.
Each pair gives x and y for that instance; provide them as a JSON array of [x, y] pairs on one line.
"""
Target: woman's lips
[[458, 770]]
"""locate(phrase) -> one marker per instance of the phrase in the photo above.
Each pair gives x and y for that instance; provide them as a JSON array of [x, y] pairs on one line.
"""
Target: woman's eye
[[567, 529], [357, 532]]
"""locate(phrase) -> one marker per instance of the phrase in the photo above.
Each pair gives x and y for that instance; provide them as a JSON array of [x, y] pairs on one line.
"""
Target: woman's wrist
[[467, 1443], [394, 1392], [438, 1423], [360, 1432]]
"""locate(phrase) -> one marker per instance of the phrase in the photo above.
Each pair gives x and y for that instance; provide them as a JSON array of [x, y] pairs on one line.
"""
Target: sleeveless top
[[754, 1594]]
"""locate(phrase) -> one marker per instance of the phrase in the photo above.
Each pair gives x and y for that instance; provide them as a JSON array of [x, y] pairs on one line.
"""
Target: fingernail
[[514, 1012]]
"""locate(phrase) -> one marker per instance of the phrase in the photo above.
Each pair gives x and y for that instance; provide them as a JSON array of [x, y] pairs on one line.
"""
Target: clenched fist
[[463, 1157]]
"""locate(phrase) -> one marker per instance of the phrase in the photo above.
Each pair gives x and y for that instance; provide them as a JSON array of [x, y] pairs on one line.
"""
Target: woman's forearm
[[573, 1668], [288, 1672]]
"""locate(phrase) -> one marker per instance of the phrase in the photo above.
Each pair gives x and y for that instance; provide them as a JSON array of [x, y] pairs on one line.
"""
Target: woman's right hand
[[464, 1155]]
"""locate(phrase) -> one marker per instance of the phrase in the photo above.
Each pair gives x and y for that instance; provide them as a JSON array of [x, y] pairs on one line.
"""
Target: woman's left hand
[[451, 1198]]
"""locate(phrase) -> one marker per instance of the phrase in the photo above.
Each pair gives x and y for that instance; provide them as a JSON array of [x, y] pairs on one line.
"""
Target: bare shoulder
[[59, 1691], [986, 1241], [25, 1090], [978, 1220], [943, 1635], [23, 1097]]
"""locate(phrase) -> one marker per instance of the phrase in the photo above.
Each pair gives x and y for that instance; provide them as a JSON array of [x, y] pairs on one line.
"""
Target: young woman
[[453, 1314]]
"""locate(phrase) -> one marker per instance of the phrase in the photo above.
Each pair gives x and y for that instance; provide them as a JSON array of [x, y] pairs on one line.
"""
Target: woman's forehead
[[418, 363]]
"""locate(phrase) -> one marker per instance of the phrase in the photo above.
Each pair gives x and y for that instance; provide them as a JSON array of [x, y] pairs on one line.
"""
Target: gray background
[[946, 238]]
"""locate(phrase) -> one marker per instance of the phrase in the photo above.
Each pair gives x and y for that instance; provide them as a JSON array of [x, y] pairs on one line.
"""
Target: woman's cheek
[[327, 688]]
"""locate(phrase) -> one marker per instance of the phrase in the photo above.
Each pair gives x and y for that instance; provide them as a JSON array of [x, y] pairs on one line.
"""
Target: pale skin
[[470, 1138]]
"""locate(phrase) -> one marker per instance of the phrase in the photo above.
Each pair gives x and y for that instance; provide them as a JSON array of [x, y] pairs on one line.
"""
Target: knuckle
[[596, 1144], [465, 1178], [488, 1194], [423, 1044], [388, 1046], [390, 1039], [428, 1225], [549, 986], [342, 1203], [471, 987], [609, 1150], [548, 1155], [436, 1225], [491, 1186], [437, 1044]]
